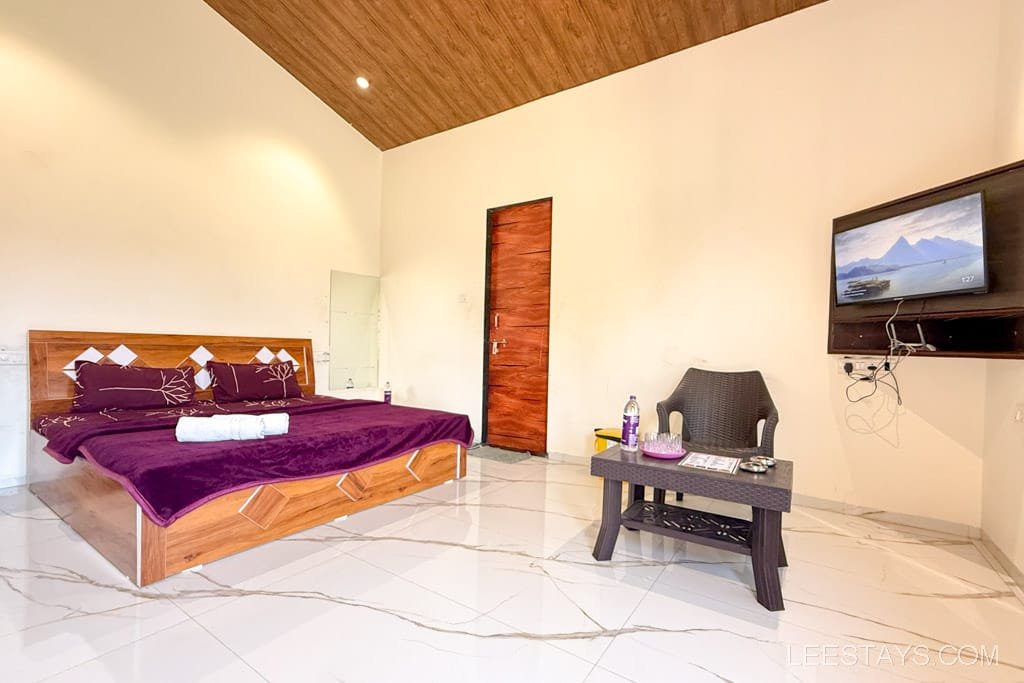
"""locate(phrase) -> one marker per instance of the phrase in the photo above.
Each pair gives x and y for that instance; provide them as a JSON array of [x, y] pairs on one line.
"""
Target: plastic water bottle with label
[[387, 393], [630, 424]]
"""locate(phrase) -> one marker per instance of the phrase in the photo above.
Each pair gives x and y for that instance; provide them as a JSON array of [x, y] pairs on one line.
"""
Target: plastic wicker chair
[[721, 411]]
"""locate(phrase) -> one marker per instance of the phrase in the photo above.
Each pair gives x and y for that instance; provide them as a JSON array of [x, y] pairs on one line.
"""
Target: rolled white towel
[[274, 424], [244, 427], [223, 428], [197, 429]]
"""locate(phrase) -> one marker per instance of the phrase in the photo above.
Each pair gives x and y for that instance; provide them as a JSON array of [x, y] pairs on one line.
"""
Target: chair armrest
[[767, 446]]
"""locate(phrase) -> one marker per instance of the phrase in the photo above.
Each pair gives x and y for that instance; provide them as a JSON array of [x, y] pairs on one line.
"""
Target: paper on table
[[708, 461]]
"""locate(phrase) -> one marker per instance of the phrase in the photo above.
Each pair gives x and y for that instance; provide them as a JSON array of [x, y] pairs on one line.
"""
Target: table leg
[[766, 541], [659, 496], [611, 519], [783, 562]]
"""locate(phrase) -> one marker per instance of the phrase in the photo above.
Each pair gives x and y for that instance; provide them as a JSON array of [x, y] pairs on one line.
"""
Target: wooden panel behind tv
[[989, 325]]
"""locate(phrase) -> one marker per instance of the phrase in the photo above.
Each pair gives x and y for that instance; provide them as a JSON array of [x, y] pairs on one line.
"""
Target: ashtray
[[763, 460], [755, 467]]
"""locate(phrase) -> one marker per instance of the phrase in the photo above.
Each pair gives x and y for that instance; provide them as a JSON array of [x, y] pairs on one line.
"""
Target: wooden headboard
[[52, 357]]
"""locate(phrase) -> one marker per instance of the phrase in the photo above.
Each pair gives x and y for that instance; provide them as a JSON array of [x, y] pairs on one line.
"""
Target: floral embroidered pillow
[[253, 381], [99, 387]]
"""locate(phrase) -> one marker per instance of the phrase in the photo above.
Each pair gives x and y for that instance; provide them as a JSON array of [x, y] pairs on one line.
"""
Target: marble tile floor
[[491, 579]]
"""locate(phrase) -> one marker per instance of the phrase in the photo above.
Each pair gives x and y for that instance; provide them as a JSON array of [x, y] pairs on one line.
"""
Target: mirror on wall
[[355, 317]]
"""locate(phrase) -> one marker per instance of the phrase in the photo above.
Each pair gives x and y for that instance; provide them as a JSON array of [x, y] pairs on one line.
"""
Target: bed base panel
[[97, 508], [103, 513]]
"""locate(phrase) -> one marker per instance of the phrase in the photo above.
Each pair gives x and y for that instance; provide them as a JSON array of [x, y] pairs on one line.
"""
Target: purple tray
[[663, 456]]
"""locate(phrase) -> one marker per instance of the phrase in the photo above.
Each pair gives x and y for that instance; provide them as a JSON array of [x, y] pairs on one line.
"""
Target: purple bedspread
[[168, 479]]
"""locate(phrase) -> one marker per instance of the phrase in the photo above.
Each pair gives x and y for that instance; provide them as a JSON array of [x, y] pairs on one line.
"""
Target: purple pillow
[[253, 381], [98, 387]]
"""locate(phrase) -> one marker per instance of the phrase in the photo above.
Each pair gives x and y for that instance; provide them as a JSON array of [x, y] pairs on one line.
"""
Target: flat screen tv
[[933, 251]]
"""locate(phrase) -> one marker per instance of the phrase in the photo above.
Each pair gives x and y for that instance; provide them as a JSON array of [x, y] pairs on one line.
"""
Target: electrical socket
[[11, 356], [860, 364]]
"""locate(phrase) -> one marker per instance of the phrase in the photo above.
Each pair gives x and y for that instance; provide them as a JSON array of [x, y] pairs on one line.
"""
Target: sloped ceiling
[[437, 64]]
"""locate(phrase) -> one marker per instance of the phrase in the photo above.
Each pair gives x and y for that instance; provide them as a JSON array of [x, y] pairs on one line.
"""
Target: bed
[[155, 508]]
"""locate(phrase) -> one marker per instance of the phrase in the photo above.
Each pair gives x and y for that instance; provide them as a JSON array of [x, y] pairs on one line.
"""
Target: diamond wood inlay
[[122, 355], [201, 355], [90, 354], [353, 485], [263, 506], [203, 379], [409, 466], [286, 357]]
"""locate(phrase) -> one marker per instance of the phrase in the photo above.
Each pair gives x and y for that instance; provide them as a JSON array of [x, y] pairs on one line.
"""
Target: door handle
[[494, 345]]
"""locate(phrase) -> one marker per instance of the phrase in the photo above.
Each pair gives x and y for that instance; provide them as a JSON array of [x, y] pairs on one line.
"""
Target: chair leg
[[638, 493], [679, 496], [659, 496]]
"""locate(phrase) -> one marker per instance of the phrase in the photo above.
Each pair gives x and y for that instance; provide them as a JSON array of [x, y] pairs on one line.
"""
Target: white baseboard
[[903, 519], [12, 482], [554, 456], [1015, 573]]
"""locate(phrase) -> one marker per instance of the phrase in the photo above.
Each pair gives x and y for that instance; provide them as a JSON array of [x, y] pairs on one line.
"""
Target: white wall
[[693, 200], [1010, 83], [1003, 507], [159, 173]]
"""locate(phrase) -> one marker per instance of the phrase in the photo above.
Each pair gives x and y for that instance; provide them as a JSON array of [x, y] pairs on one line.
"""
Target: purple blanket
[[169, 479]]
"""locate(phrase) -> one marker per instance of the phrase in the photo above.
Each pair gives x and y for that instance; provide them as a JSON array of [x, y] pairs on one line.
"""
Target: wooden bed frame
[[106, 516]]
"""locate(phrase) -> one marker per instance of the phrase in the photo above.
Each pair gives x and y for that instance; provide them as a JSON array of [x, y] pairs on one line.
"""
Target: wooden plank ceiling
[[437, 64]]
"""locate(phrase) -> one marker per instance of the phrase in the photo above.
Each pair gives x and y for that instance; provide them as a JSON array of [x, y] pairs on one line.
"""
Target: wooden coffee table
[[769, 495]]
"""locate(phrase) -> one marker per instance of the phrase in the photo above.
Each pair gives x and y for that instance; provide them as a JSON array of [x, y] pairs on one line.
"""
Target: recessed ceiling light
[[362, 82]]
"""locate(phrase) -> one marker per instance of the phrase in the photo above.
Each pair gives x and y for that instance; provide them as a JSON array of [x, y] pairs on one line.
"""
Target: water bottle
[[630, 424], [387, 392]]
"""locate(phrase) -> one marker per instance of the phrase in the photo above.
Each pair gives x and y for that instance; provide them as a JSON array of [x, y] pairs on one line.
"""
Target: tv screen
[[939, 249]]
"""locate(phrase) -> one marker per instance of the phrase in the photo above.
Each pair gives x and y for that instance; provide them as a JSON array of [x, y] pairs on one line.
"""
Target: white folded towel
[[222, 428], [274, 424]]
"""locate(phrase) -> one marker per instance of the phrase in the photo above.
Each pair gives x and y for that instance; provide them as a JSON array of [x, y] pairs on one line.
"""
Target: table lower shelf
[[695, 526]]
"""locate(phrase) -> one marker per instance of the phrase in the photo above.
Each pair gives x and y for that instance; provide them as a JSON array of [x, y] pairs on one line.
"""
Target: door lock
[[494, 345]]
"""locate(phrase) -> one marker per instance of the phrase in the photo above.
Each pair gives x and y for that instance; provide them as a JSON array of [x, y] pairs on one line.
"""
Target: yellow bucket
[[604, 437]]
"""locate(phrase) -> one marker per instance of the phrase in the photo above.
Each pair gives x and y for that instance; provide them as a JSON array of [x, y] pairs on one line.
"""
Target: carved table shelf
[[696, 526]]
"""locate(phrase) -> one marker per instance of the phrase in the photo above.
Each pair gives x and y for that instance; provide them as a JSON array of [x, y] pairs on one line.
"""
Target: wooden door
[[516, 342]]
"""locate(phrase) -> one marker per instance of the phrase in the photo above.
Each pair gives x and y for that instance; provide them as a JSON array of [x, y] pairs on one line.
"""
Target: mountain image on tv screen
[[931, 251]]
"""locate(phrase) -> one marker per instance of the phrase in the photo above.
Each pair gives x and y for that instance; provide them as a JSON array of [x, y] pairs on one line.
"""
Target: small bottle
[[387, 392], [630, 424], [350, 384]]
